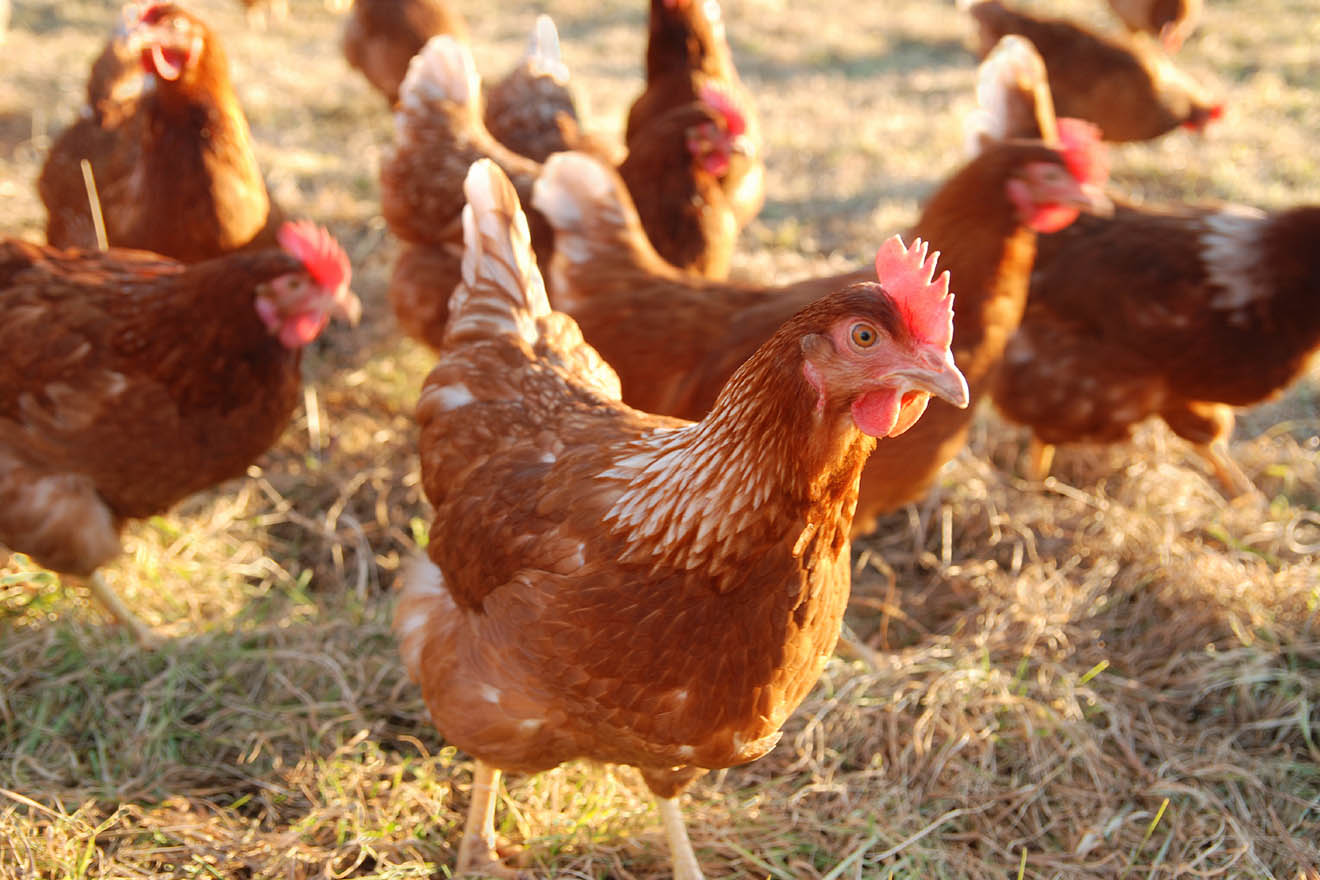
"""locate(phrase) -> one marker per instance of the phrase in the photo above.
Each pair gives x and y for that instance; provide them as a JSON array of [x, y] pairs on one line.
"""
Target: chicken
[[1128, 88], [129, 381], [675, 339], [1170, 21], [181, 178], [382, 36], [648, 591], [439, 133], [687, 60], [1180, 313]]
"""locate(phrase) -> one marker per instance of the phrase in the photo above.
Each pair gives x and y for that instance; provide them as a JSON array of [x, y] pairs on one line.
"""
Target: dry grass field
[[1114, 675]]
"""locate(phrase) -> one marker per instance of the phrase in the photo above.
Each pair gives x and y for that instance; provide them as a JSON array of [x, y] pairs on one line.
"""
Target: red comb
[[906, 273], [1083, 152], [324, 259], [724, 105]]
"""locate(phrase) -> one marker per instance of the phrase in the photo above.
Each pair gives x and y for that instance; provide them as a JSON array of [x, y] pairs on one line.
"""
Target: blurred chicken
[[439, 133], [1169, 21], [674, 339], [382, 36], [177, 175], [687, 60], [1129, 88], [129, 381], [1181, 313], [604, 583]]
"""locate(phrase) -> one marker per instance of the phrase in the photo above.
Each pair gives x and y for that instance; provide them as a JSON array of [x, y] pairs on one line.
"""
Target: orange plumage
[[688, 60], [381, 36], [651, 592]]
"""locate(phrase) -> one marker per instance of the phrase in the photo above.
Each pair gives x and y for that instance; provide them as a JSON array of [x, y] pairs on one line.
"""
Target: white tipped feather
[[1012, 66], [543, 55], [566, 182], [502, 290], [442, 71]]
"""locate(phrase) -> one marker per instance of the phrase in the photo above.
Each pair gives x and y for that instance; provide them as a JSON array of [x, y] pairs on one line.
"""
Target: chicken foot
[[103, 593], [680, 848], [477, 853]]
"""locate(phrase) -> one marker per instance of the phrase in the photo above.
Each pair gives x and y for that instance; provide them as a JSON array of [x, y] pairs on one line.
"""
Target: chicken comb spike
[[906, 275], [723, 104], [1084, 151], [324, 259], [442, 71], [543, 53]]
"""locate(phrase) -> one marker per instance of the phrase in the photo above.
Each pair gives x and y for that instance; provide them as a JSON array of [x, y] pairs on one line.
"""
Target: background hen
[[687, 57], [176, 175], [116, 401], [1181, 313], [1129, 88], [650, 592]]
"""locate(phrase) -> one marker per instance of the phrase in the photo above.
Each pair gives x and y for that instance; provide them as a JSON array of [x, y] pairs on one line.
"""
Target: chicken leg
[[1041, 459], [103, 593], [680, 848], [477, 855]]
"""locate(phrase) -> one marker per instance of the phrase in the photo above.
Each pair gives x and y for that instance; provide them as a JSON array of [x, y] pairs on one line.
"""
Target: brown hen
[[1181, 313], [647, 591], [1169, 21], [1127, 87], [129, 381], [688, 59], [178, 176]]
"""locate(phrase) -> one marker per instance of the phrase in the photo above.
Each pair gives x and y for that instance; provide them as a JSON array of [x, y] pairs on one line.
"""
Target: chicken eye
[[864, 335]]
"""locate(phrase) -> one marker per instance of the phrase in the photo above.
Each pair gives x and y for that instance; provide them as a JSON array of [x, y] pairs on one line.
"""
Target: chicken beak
[[347, 306], [945, 381], [742, 145]]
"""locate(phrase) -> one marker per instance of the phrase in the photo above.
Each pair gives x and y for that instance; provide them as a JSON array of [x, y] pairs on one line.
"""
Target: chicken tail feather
[[442, 71], [502, 291], [589, 208], [543, 55]]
